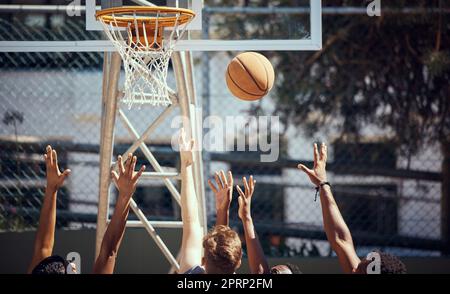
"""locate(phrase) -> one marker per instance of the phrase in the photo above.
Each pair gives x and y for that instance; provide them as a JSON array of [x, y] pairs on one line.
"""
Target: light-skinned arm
[[336, 229], [256, 259], [191, 247], [45, 236], [125, 181]]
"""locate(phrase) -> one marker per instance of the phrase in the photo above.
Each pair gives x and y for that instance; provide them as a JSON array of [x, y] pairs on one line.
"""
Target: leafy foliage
[[391, 72]]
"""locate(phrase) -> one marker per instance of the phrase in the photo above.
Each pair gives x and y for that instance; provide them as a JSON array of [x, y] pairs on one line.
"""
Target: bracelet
[[320, 186]]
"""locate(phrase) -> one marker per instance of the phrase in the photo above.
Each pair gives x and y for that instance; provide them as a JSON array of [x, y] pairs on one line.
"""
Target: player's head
[[285, 269], [390, 264], [223, 251], [52, 265]]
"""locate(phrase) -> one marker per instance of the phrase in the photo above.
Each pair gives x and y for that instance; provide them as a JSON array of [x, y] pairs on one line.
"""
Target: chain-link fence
[[389, 200]]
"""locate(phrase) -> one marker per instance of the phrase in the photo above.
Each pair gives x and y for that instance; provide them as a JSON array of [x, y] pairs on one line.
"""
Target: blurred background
[[378, 94]]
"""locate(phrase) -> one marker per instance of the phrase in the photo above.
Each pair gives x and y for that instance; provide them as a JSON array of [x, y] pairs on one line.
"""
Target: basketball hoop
[[143, 39]]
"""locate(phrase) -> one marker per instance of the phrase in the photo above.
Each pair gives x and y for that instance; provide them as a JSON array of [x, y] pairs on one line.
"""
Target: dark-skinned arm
[[256, 259], [224, 194], [45, 236], [125, 182], [337, 231]]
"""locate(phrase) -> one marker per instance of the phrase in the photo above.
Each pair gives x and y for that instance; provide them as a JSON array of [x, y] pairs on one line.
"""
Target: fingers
[[302, 167], [184, 144], [252, 185], [324, 152], [223, 178], [305, 169], [139, 173], [316, 154], [247, 189], [230, 178], [213, 188], [47, 160], [218, 181], [55, 161], [115, 177], [240, 191], [241, 201], [54, 158], [128, 163], [49, 154], [132, 166], [66, 173], [121, 168], [321, 152]]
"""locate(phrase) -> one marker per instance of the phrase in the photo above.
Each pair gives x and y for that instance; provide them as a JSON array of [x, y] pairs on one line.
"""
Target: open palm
[[223, 191], [55, 178]]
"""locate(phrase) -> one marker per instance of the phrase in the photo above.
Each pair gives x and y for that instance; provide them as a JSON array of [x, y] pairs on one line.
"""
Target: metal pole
[[143, 3], [149, 155], [109, 113], [183, 95], [187, 111], [200, 188], [156, 224], [301, 10], [159, 242], [206, 100], [105, 81], [150, 130], [445, 197], [184, 102]]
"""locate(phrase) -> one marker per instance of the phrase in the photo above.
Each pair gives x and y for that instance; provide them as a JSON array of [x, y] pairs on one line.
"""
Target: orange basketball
[[250, 76]]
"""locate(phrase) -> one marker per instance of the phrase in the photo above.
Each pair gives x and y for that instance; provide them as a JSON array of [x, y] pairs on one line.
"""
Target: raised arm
[[125, 182], [257, 260], [224, 195], [45, 236], [336, 229], [191, 247]]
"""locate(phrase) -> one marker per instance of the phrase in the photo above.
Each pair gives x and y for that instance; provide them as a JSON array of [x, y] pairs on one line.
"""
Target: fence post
[[445, 201]]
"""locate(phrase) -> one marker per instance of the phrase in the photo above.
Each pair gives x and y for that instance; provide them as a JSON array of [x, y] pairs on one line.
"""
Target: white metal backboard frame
[[312, 44]]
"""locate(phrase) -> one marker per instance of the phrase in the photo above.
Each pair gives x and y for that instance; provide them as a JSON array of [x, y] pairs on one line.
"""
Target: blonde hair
[[223, 249]]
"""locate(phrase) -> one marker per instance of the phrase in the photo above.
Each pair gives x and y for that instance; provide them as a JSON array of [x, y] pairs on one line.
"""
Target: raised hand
[[55, 178], [127, 178], [336, 229], [256, 259], [245, 198], [318, 174], [125, 182], [45, 236], [223, 191], [186, 148]]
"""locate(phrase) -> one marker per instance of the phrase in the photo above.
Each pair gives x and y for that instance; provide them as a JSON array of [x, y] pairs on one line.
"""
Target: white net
[[145, 48]]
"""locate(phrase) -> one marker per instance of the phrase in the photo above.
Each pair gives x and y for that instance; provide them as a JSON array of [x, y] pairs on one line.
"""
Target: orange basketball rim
[[145, 22]]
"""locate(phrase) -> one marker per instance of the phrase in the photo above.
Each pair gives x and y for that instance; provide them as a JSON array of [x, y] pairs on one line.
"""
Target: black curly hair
[[294, 268], [391, 264], [281, 269], [52, 265]]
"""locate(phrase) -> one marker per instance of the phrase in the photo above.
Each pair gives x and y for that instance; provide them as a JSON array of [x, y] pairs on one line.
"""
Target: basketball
[[250, 76]]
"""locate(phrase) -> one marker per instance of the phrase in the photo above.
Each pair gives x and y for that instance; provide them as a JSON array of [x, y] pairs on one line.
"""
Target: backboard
[[219, 25]]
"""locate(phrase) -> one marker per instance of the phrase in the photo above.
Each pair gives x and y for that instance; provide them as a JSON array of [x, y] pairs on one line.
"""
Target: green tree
[[392, 72]]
